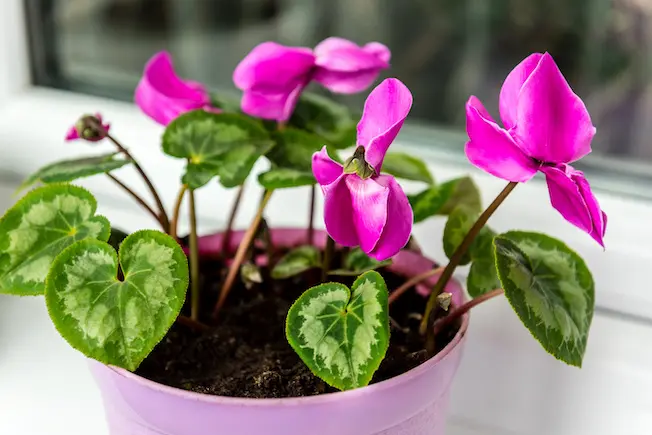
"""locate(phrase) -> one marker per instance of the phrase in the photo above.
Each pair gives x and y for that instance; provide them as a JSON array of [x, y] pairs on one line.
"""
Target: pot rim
[[308, 400]]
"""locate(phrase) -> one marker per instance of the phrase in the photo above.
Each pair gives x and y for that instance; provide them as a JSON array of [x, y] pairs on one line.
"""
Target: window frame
[[35, 118]]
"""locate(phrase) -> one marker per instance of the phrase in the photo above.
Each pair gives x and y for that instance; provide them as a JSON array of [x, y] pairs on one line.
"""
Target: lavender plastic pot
[[413, 403]]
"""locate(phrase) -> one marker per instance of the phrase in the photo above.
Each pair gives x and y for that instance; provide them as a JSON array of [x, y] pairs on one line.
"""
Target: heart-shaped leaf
[[38, 227], [216, 144], [444, 198], [294, 149], [297, 261], [342, 337], [117, 321], [357, 262], [325, 118], [283, 178], [405, 166], [551, 290], [69, 170]]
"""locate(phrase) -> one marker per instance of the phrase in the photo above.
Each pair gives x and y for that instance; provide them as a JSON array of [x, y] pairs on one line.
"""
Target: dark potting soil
[[246, 354]]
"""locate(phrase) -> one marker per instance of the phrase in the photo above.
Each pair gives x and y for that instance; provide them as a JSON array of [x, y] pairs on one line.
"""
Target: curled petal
[[72, 134], [369, 201], [398, 227], [272, 77], [163, 95], [552, 123], [344, 67], [338, 213], [492, 149], [386, 108], [512, 88], [325, 169], [570, 195]]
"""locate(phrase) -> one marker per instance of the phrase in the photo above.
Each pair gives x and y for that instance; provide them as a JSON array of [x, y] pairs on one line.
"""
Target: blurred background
[[444, 50]]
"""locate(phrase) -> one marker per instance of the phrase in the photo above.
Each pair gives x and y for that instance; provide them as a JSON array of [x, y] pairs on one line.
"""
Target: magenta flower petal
[[570, 195], [511, 88], [163, 95], [344, 67], [492, 149], [553, 124], [338, 212], [386, 108], [369, 201], [398, 227], [272, 77], [325, 169], [72, 134]]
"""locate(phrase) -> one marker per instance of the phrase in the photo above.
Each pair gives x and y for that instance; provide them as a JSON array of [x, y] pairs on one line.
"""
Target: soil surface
[[246, 354]]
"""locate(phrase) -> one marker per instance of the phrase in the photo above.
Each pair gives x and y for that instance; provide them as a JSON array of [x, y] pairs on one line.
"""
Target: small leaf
[[281, 178], [227, 102], [250, 275], [444, 198], [117, 321], [405, 166], [551, 290], [38, 227], [483, 276], [69, 170], [297, 261], [342, 337], [457, 226], [294, 149], [357, 262], [216, 144], [325, 118]]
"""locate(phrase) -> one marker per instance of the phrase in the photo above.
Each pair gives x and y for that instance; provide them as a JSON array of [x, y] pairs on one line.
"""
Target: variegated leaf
[[111, 318], [551, 290], [342, 336], [216, 144], [38, 227], [69, 170], [296, 261]]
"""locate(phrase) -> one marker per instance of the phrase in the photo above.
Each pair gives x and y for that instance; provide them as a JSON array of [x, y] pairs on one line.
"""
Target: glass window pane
[[444, 50]]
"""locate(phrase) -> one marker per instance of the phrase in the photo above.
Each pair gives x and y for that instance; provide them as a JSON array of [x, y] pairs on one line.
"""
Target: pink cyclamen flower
[[163, 95], [86, 128], [547, 127], [362, 206], [272, 76]]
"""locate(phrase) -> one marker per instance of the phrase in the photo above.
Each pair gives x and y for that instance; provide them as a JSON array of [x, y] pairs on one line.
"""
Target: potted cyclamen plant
[[277, 320]]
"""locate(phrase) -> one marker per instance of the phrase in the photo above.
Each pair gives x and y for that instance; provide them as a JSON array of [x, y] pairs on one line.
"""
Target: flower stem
[[464, 308], [194, 260], [457, 256], [138, 199], [240, 254], [328, 258], [163, 215], [177, 209], [311, 215], [192, 324], [226, 240], [409, 284]]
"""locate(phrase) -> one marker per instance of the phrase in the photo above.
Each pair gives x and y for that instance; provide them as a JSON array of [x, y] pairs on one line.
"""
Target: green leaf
[[357, 262], [216, 144], [325, 118], [342, 337], [227, 102], [281, 178], [38, 227], [483, 276], [402, 165], [69, 170], [294, 149], [117, 321], [551, 290], [444, 198], [297, 261], [457, 226]]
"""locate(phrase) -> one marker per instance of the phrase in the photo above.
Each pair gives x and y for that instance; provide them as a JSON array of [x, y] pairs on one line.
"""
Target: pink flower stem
[[240, 254], [226, 241], [328, 258], [455, 259], [194, 259], [138, 199], [177, 210], [311, 215]]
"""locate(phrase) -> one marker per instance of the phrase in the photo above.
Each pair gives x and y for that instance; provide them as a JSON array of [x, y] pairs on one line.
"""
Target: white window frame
[[33, 122]]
